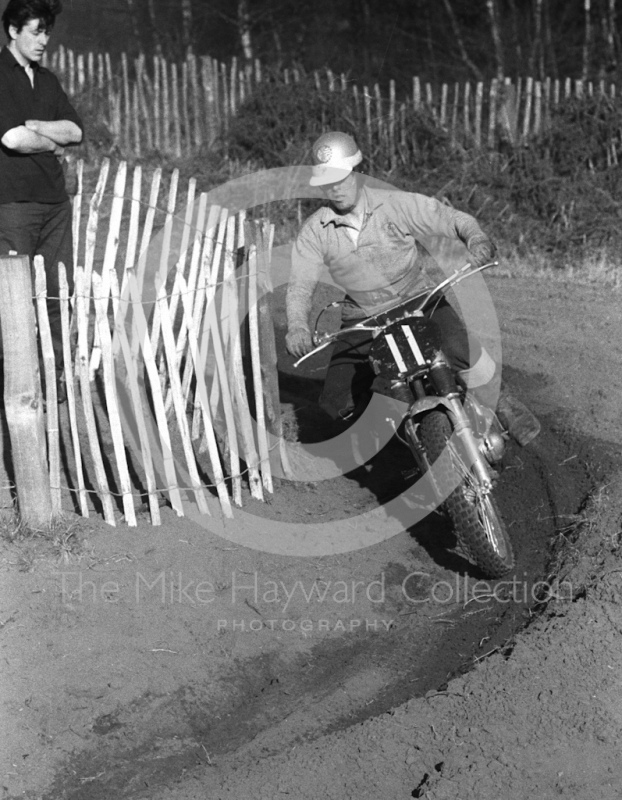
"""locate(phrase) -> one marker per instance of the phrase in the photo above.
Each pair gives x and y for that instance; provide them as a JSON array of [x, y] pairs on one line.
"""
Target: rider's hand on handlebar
[[482, 252], [299, 342]]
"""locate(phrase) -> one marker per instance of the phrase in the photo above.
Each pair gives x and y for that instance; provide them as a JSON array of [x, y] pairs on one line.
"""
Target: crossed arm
[[38, 136]]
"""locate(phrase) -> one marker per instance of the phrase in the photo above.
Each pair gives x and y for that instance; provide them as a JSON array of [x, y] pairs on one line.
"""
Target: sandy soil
[[170, 663]]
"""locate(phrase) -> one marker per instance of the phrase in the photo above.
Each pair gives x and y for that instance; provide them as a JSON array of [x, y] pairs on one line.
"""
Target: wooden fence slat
[[164, 254], [110, 253], [166, 108], [492, 113], [142, 335], [77, 211], [156, 179], [236, 372], [176, 111], [70, 388], [82, 305], [180, 409], [49, 365], [202, 395], [201, 296], [479, 99], [220, 382], [528, 103], [121, 341], [91, 226], [267, 343], [262, 436], [112, 406]]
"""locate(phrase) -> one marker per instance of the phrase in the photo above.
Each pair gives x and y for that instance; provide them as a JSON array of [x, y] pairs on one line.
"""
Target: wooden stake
[[22, 393]]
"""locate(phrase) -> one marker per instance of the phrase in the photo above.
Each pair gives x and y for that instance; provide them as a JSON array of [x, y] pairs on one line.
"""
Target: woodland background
[[370, 40]]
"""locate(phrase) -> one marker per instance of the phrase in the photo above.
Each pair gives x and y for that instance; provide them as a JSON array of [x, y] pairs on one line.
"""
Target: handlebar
[[364, 325]]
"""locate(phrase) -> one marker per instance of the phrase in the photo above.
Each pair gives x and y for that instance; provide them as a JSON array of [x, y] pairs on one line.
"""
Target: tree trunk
[[516, 37], [535, 58], [493, 15], [460, 41], [186, 24], [587, 42], [550, 50], [23, 401], [608, 24], [157, 41], [131, 7], [244, 28]]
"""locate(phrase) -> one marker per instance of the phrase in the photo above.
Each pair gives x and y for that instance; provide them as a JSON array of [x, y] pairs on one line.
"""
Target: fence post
[[22, 392]]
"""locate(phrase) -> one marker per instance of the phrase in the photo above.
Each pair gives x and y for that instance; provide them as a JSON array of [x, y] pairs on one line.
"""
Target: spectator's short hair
[[20, 12]]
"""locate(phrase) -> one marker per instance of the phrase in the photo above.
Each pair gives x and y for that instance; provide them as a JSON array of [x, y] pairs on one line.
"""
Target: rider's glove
[[299, 342], [482, 252]]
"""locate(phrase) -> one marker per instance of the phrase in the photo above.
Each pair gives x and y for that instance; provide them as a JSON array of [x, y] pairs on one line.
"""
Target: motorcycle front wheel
[[478, 524]]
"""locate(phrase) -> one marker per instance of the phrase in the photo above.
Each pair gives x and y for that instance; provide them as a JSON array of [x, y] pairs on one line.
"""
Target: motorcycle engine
[[493, 447]]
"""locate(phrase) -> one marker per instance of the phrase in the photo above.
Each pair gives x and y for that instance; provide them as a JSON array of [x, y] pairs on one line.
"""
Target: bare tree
[[460, 41], [587, 41], [493, 14]]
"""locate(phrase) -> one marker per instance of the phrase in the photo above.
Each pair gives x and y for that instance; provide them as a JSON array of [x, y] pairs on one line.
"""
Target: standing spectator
[[37, 122]]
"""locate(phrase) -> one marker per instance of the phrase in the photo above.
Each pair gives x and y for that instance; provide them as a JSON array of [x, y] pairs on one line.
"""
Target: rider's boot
[[513, 414]]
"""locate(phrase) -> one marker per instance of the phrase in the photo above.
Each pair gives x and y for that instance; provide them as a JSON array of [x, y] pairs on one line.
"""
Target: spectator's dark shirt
[[38, 177]]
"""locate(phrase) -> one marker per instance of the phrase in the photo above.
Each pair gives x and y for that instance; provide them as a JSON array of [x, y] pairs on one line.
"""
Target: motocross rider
[[367, 237]]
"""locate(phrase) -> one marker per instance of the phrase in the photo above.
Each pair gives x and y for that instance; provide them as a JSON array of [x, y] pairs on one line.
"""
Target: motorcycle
[[452, 437]]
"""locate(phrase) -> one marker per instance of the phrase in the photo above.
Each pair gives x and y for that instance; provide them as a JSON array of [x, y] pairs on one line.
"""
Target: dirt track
[[111, 697]]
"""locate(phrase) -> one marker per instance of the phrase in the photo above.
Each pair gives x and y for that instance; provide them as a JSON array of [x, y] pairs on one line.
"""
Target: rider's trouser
[[348, 381]]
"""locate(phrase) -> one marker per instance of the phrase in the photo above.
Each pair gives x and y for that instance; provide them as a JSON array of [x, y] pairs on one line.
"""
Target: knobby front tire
[[478, 524]]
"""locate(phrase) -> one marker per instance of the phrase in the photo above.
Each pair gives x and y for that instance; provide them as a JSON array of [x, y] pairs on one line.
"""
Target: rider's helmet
[[334, 154]]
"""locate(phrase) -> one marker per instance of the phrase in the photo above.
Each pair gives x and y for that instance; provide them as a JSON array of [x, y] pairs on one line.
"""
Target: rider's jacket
[[377, 262]]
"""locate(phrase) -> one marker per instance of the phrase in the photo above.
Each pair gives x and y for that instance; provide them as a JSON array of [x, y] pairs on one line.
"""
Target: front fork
[[445, 384]]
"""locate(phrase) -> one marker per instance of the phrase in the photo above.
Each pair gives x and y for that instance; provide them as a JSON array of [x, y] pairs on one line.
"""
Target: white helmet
[[335, 154]]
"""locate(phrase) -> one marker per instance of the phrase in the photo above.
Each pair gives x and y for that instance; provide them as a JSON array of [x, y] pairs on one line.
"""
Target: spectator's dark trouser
[[347, 386], [42, 229]]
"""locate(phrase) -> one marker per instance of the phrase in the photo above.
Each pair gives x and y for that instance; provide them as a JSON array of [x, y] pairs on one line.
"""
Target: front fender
[[427, 404]]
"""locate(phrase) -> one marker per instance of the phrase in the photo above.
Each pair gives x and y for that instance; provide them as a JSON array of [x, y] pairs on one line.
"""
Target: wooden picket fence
[[157, 397], [150, 105]]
